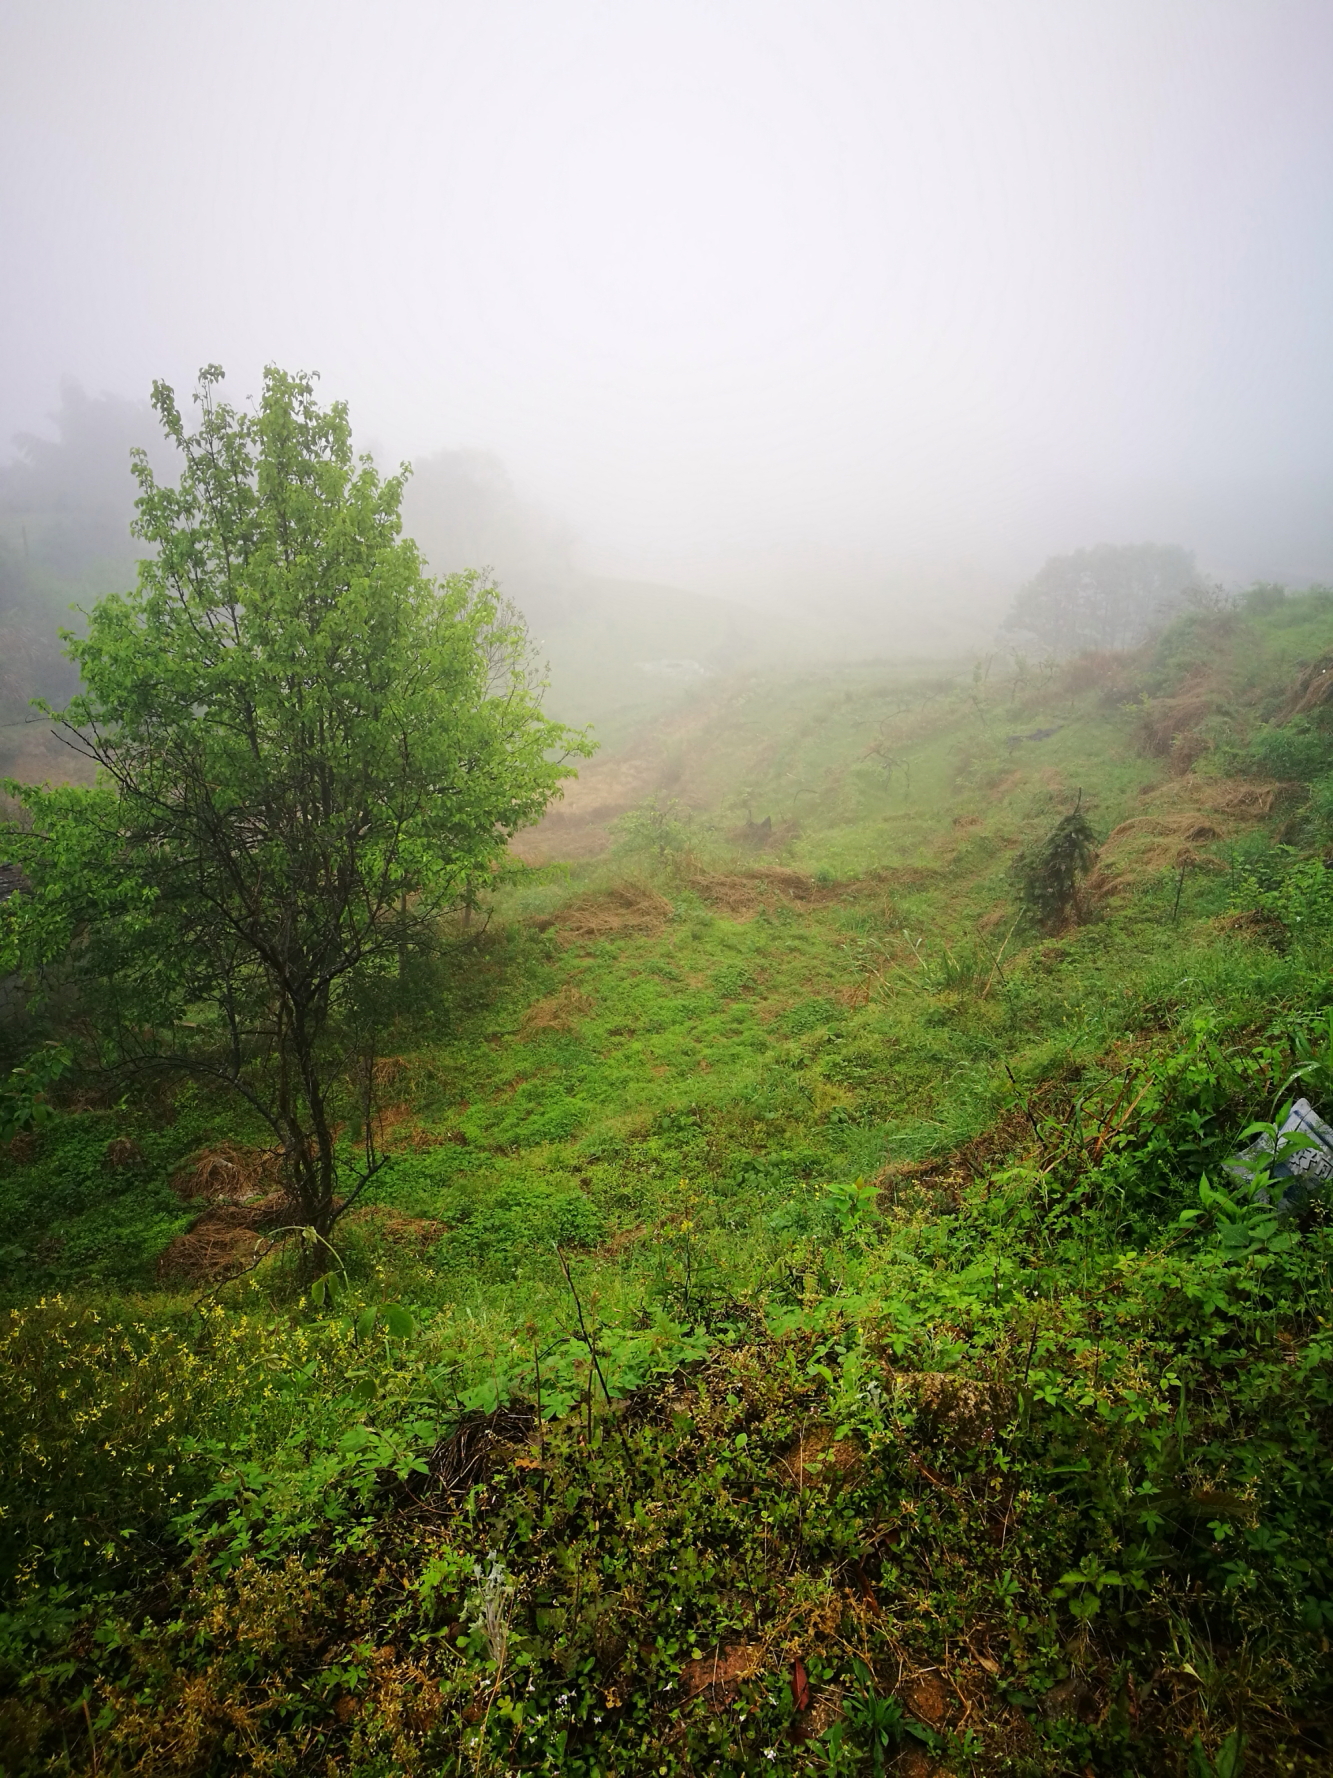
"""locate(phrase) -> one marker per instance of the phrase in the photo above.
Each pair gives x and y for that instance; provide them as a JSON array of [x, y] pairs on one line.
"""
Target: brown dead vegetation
[[227, 1173], [242, 1191], [633, 906], [1171, 727], [401, 1125], [963, 1412], [479, 1444], [1310, 690], [1183, 815], [560, 1012], [628, 907], [741, 894], [1113, 672], [396, 1228], [821, 1459], [223, 1243]]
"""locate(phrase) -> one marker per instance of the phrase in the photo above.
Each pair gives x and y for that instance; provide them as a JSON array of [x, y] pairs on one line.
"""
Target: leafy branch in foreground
[[306, 751]]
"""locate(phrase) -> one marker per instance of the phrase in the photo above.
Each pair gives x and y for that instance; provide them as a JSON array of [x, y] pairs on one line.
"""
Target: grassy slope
[[679, 1070]]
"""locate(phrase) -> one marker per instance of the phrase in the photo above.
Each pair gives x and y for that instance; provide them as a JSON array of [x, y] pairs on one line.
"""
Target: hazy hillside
[[802, 1320]]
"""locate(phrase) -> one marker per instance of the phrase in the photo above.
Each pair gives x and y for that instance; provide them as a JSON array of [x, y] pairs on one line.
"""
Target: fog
[[851, 310]]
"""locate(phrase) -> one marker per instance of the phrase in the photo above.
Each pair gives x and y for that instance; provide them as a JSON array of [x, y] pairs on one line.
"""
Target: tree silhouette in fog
[[1113, 596]]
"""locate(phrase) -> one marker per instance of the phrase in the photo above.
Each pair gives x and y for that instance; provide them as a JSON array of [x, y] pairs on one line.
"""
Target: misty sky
[[755, 294]]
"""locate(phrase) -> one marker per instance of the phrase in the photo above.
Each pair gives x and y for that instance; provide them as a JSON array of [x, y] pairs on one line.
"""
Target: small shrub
[[1048, 873]]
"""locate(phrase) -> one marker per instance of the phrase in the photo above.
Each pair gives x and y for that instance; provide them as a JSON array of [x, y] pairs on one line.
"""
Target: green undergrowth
[[805, 1322]]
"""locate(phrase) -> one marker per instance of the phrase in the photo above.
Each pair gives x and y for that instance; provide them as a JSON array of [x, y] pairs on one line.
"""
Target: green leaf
[[398, 1322]]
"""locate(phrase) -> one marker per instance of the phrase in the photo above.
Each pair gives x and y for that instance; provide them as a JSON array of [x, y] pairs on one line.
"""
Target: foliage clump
[[1048, 873]]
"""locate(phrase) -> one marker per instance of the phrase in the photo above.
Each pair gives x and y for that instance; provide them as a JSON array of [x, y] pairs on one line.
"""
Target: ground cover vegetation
[[804, 1322]]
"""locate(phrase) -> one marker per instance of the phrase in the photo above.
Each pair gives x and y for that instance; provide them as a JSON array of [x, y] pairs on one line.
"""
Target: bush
[[1300, 749], [1047, 874]]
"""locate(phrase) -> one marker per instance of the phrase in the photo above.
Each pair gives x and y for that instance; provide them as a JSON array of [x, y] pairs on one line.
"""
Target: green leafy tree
[[307, 750], [1047, 874]]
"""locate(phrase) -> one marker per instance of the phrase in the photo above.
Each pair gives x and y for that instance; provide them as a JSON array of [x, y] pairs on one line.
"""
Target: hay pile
[[227, 1173], [240, 1191], [1183, 816], [1149, 844], [222, 1244], [741, 894], [1172, 728], [627, 907]]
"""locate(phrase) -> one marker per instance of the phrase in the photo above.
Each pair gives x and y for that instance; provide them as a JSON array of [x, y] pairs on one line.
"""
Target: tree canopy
[[307, 750], [1113, 596]]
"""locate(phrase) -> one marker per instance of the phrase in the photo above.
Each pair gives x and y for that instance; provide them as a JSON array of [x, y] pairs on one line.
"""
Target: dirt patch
[[819, 1718], [821, 1459], [931, 1699], [626, 907], [717, 1676]]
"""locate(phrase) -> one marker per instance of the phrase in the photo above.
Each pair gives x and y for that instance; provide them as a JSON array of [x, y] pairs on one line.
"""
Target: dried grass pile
[[1183, 815], [1172, 728], [1145, 846], [1311, 689], [415, 1233], [740, 895], [227, 1173], [223, 1243], [240, 1190], [630, 906]]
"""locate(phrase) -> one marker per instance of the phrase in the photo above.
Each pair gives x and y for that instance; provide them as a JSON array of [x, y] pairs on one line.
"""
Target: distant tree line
[[66, 507], [1113, 596]]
